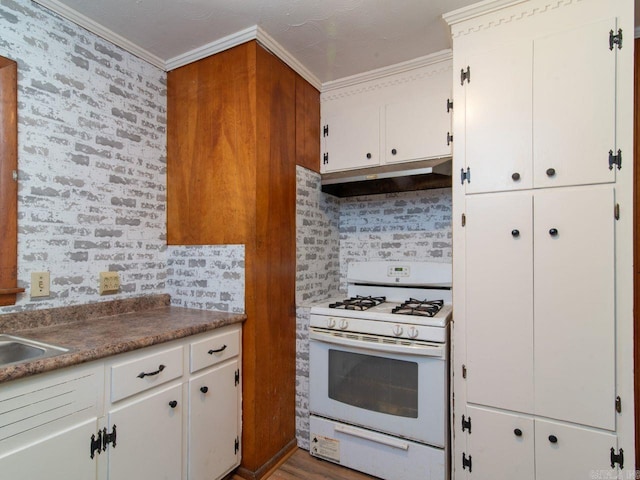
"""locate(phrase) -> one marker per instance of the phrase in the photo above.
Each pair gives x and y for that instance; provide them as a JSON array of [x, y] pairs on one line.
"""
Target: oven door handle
[[428, 350], [371, 436]]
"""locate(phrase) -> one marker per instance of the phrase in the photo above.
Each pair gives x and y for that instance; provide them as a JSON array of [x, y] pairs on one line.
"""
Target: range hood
[[401, 177]]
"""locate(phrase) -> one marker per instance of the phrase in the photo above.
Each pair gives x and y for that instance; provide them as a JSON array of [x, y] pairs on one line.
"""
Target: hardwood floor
[[302, 466]]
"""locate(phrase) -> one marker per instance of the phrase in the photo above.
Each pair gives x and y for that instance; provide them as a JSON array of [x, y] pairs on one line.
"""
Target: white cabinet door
[[501, 446], [574, 127], [499, 119], [149, 438], [417, 129], [63, 456], [353, 139], [574, 305], [499, 300], [572, 453], [213, 423]]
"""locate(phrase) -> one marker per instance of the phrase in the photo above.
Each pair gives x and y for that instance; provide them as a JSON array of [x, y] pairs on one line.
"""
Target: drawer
[[140, 374], [214, 349]]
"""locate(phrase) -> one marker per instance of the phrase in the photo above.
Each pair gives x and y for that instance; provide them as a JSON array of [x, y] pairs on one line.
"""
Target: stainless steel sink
[[17, 349]]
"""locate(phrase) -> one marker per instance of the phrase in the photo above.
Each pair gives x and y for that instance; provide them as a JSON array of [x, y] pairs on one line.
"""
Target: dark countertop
[[92, 338]]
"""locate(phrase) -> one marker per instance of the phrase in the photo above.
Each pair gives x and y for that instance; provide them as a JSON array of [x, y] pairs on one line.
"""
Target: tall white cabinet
[[543, 334]]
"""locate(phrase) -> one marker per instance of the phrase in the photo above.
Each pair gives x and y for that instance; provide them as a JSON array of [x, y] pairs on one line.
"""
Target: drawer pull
[[218, 350], [151, 374], [173, 403]]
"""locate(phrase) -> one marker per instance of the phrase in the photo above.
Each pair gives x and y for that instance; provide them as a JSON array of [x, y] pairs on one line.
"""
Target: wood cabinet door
[[501, 445], [213, 423], [569, 452], [574, 83], [149, 438], [417, 129], [499, 300], [575, 305], [63, 456], [498, 118], [353, 139]]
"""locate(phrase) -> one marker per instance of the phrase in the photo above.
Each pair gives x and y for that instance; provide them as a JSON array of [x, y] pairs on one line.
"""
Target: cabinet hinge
[[465, 75], [615, 39], [236, 445], [619, 458], [237, 377], [616, 211], [325, 131], [464, 371], [449, 138], [449, 105], [466, 462], [108, 438], [615, 159], [95, 444], [466, 424], [325, 158], [464, 219], [465, 175], [618, 404]]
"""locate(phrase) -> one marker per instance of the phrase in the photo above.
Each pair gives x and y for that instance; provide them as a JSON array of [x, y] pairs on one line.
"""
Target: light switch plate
[[40, 284]]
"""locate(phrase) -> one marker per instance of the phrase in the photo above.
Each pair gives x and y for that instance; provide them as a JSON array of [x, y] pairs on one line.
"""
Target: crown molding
[[217, 46], [380, 73], [477, 9], [101, 31]]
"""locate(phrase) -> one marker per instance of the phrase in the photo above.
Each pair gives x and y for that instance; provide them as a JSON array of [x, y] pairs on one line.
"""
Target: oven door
[[380, 384]]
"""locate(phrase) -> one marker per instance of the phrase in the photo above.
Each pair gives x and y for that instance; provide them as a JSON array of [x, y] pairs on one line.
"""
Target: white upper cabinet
[[499, 119], [401, 117], [573, 127], [532, 119]]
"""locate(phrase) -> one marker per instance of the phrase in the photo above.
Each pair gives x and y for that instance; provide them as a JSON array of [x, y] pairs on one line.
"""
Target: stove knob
[[331, 322], [397, 330], [413, 332], [343, 324]]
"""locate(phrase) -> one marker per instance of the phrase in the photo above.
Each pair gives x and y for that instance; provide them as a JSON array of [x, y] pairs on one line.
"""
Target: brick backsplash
[[91, 159], [209, 277]]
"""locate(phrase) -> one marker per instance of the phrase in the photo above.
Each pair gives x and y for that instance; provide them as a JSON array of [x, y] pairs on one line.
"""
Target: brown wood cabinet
[[231, 179], [8, 182]]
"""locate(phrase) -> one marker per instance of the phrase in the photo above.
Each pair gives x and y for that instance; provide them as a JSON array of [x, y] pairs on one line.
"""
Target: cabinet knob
[[368, 155], [517, 432], [515, 176], [204, 389], [515, 232], [551, 172], [553, 439], [173, 403], [553, 232], [393, 151]]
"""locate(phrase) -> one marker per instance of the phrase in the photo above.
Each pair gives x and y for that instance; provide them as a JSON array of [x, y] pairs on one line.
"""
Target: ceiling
[[328, 39]]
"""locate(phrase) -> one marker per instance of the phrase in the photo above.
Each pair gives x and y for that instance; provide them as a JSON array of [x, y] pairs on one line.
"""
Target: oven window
[[374, 383]]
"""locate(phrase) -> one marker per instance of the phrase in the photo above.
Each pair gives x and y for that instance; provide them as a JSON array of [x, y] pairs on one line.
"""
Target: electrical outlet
[[109, 282], [40, 284]]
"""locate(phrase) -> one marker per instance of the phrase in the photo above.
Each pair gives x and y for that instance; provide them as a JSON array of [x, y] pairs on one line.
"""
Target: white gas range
[[379, 371]]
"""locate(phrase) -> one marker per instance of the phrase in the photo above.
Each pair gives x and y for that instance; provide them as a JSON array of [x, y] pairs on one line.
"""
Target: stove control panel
[[398, 271]]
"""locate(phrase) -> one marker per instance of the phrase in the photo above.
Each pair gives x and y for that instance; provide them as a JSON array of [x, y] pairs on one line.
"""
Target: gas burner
[[358, 303], [425, 308]]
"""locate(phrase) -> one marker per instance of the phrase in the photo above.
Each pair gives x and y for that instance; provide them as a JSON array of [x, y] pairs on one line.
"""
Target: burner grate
[[424, 308], [358, 303]]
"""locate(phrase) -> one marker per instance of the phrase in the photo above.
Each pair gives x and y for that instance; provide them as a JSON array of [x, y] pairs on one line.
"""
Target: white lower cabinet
[[214, 447], [61, 456], [503, 445], [148, 437], [167, 412]]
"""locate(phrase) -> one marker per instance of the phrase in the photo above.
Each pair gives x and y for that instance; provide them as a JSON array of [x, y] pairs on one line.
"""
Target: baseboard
[[270, 465]]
